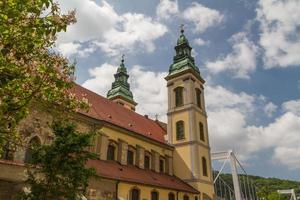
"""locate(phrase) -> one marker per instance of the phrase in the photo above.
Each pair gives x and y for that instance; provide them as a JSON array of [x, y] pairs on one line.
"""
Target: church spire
[[120, 91], [183, 60]]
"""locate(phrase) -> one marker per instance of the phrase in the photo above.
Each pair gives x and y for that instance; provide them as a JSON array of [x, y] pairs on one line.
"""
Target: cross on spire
[[122, 58], [182, 28]]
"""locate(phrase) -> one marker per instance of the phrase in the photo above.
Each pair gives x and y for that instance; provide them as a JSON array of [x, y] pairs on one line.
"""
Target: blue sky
[[247, 51]]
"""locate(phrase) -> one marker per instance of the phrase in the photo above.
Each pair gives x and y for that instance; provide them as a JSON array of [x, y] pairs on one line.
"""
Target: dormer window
[[178, 96]]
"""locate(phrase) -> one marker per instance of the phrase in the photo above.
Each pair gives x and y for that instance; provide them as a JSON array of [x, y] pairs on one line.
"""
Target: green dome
[[183, 60], [122, 68], [182, 39], [120, 87]]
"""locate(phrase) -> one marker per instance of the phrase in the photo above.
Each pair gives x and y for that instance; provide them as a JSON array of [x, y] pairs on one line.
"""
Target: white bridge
[[242, 187], [290, 192]]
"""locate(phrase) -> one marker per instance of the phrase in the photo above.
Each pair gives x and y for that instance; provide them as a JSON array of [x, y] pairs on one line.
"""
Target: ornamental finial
[[182, 28], [122, 58]]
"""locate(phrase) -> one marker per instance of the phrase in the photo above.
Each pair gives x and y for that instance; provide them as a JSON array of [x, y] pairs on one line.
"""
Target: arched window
[[161, 165], [111, 150], [198, 97], [130, 155], [180, 130], [33, 143], [185, 197], [154, 195], [201, 129], [147, 159], [135, 194], [178, 96], [171, 196], [204, 166]]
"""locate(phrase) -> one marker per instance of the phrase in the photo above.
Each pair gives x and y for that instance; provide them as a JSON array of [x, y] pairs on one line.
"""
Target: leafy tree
[[30, 71], [274, 196], [61, 171], [266, 194], [266, 187]]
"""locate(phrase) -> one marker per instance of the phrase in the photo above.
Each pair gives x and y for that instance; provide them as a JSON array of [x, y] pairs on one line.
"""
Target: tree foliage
[[266, 194], [266, 188], [61, 171], [30, 71]]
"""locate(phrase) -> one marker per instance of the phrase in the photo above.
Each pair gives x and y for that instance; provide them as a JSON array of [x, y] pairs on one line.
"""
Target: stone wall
[[101, 189], [9, 189]]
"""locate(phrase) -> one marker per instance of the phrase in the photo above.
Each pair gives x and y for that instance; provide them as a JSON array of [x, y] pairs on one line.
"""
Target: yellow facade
[[133, 140], [190, 150], [145, 192]]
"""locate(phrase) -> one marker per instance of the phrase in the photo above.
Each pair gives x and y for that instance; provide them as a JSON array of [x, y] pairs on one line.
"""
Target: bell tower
[[187, 121], [120, 91]]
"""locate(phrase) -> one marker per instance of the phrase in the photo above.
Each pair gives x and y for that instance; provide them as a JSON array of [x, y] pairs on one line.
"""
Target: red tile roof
[[162, 125], [133, 174], [111, 112]]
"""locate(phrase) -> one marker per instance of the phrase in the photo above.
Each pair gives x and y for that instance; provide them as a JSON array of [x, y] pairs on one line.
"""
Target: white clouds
[[282, 136], [167, 8], [73, 48], [226, 130], [150, 91], [202, 17], [280, 38], [227, 118], [136, 30], [270, 109], [241, 61], [292, 106], [218, 98], [101, 78], [229, 126], [148, 87], [200, 42], [101, 26], [68, 49], [93, 20], [288, 156]]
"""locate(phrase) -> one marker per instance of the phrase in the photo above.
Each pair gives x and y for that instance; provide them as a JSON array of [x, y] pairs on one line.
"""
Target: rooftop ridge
[[111, 112]]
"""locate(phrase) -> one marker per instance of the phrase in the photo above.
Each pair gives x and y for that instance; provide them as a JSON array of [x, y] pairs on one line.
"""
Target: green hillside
[[266, 187]]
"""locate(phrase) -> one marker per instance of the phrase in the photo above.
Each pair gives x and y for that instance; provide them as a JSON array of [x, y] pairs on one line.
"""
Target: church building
[[139, 158]]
